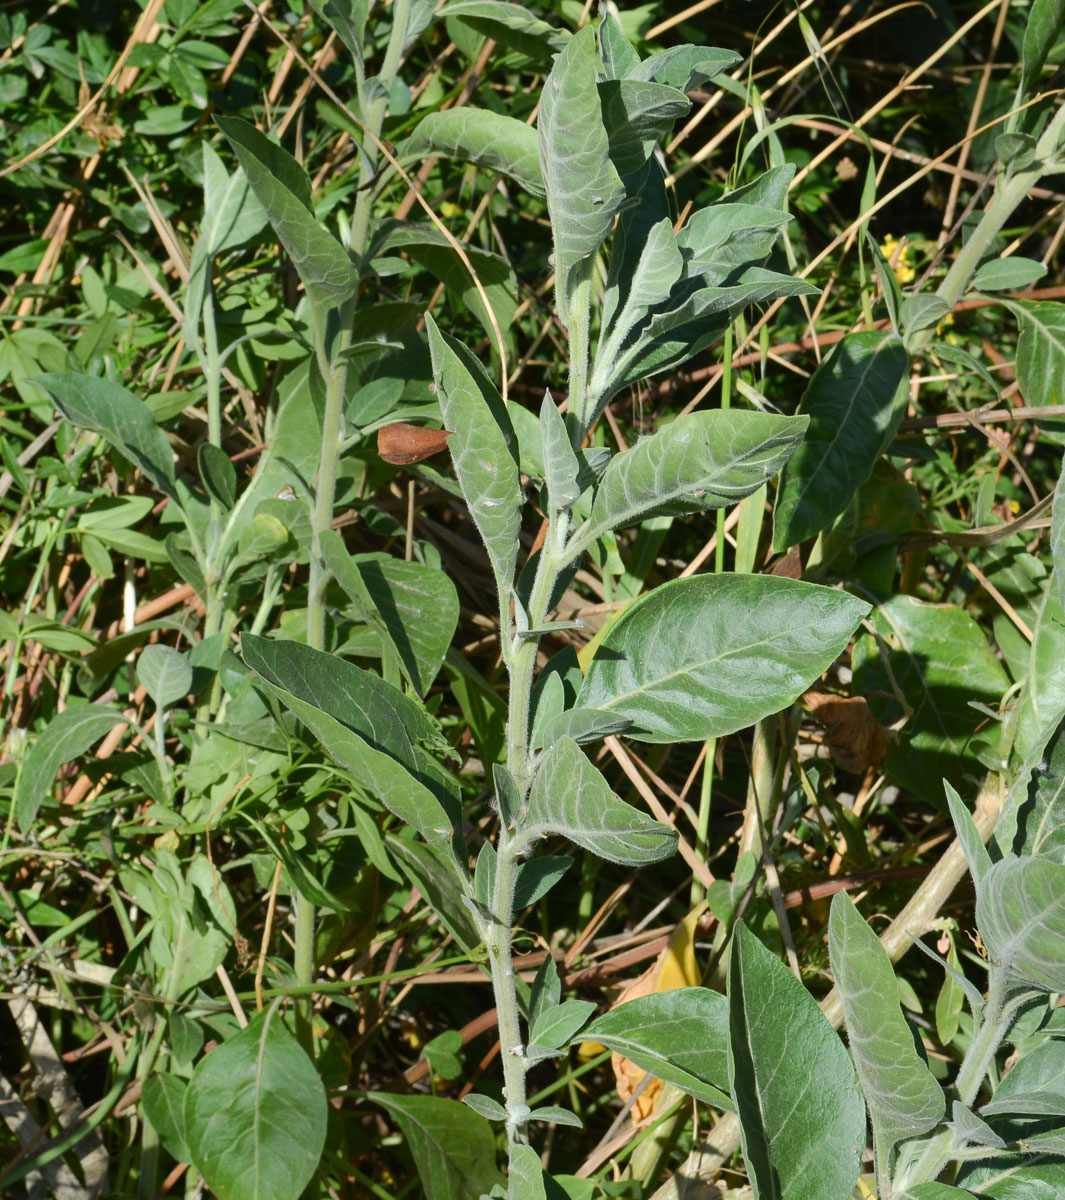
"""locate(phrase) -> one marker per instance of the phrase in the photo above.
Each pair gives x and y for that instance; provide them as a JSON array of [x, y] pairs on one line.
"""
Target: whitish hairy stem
[[917, 919]]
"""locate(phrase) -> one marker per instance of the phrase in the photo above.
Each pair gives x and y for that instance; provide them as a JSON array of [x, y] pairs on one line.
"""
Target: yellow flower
[[898, 255]]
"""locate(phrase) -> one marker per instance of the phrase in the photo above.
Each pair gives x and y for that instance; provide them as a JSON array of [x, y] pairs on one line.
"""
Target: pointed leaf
[[482, 447], [511, 25], [528, 1179], [557, 1026], [490, 1109], [546, 991], [283, 189], [680, 1036], [972, 843], [584, 191], [1057, 533], [903, 1096], [123, 419], [1042, 27], [453, 1147], [581, 724], [1020, 912], [255, 1115], [436, 875], [163, 1097], [165, 674], [561, 465], [855, 401], [697, 462], [537, 877], [231, 213], [1032, 821], [802, 1128], [705, 656], [478, 135], [660, 266], [636, 113], [1040, 350], [687, 67], [569, 796], [972, 1129]]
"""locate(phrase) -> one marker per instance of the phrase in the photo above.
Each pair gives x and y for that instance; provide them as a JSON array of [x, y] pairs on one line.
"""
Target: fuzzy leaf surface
[[478, 135], [705, 656], [1020, 912]]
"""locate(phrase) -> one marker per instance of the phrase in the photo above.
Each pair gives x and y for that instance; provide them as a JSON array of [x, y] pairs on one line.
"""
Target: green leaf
[[165, 674], [1042, 26], [231, 213], [124, 420], [584, 191], [580, 724], [687, 67], [569, 796], [1008, 274], [697, 462], [934, 1191], [1044, 694], [348, 18], [284, 190], [255, 1115], [803, 1126], [636, 113], [490, 1109], [478, 135], [903, 1096], [1057, 534], [855, 401], [511, 25], [1040, 350], [482, 448], [368, 726], [1020, 912], [537, 877], [413, 608], [67, 736], [561, 465], [218, 474], [705, 656], [559, 1025], [436, 875], [163, 1097], [528, 1179], [453, 1147], [936, 741], [1014, 1177], [546, 991], [659, 267], [1032, 821], [972, 843], [680, 1036]]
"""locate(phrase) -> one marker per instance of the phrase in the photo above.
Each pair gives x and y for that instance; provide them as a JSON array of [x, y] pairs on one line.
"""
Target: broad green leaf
[[1020, 912], [686, 67], [1039, 1073], [680, 1036], [1044, 694], [478, 135], [163, 1097], [976, 855], [705, 656], [558, 1025], [482, 448], [283, 189], [1042, 27], [732, 232], [436, 875], [649, 206], [973, 1130], [528, 1179], [803, 1126], [368, 726], [512, 25], [620, 60], [1015, 1177], [855, 401], [1040, 350], [1008, 274], [165, 673], [569, 796], [255, 1115], [218, 474], [231, 213], [934, 1191], [1032, 821], [67, 736], [1057, 533], [584, 191], [903, 1096], [124, 420], [636, 113], [537, 877], [580, 724], [936, 740], [453, 1147], [412, 607], [697, 462], [348, 18]]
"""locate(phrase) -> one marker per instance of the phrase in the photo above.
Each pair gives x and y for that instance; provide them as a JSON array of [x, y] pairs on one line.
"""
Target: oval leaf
[[165, 674], [255, 1115], [705, 656], [1020, 912], [477, 135]]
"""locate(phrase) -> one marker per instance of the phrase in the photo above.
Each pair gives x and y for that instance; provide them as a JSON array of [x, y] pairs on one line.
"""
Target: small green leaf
[[436, 875], [255, 1115], [1041, 30], [453, 1147], [511, 25], [557, 1026], [478, 135], [67, 736], [976, 855], [561, 465], [1008, 274], [163, 1097], [537, 877], [482, 448], [165, 674], [687, 67], [1057, 534], [584, 191], [569, 796], [1020, 912], [803, 1126], [554, 1115], [546, 991], [705, 656], [680, 1036], [903, 1096], [1040, 350], [488, 1108], [636, 113], [218, 474], [581, 724], [855, 401], [284, 190]]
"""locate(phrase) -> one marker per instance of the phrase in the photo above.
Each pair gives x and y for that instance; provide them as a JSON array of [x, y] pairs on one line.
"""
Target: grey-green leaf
[[1020, 912], [903, 1096], [511, 25], [1008, 274], [705, 656], [1057, 533], [482, 447], [255, 1115], [453, 1147], [67, 736], [561, 465], [584, 190], [699, 461], [283, 189], [437, 876], [559, 1024], [855, 401], [972, 843], [478, 135], [123, 419], [165, 673], [569, 796], [636, 113], [802, 1117], [1043, 25], [680, 1036]]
